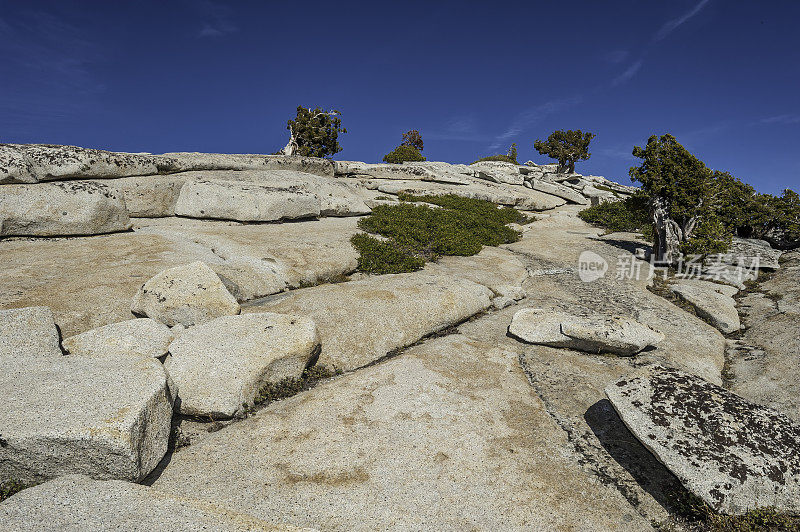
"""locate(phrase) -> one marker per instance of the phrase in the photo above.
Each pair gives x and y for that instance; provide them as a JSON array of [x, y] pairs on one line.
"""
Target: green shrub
[[416, 233], [510, 157], [404, 153], [630, 215], [691, 508], [289, 386], [9, 487], [377, 256], [709, 237]]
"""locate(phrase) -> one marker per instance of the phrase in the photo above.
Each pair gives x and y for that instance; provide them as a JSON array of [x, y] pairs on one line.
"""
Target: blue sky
[[723, 76]]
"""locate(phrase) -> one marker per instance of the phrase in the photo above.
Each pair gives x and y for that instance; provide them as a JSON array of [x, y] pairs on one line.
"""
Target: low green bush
[[501, 158], [9, 487], [510, 157], [417, 233], [695, 511], [380, 257], [630, 215], [289, 386], [402, 154]]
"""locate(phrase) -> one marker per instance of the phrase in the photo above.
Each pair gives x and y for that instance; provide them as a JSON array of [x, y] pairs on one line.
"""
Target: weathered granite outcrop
[[61, 209], [222, 199], [76, 502], [618, 335], [735, 455], [108, 418], [275, 195], [413, 172], [29, 331], [448, 436], [191, 161], [220, 366], [710, 302], [362, 321], [32, 163], [763, 362], [185, 295], [54, 272], [141, 337]]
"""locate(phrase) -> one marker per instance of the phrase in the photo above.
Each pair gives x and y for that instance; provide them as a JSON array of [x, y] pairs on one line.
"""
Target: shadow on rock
[[628, 452]]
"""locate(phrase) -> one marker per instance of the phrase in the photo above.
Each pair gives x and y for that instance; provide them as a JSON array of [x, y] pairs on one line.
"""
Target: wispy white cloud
[[672, 25], [40, 41], [616, 56], [781, 119], [216, 19], [460, 128], [628, 74], [530, 117]]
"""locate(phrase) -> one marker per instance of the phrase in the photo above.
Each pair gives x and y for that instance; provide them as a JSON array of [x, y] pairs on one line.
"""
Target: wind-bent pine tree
[[567, 147], [314, 133]]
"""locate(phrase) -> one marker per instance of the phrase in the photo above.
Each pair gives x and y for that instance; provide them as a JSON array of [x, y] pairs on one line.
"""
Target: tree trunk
[[291, 147], [667, 237], [572, 167]]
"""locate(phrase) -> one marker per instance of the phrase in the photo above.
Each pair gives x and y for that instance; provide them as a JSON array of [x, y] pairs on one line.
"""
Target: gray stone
[[447, 436], [249, 278], [192, 161], [763, 363], [223, 199], [77, 503], [711, 304], [29, 332], [558, 190], [397, 172], [54, 272], [735, 455], [618, 335], [105, 418], [361, 321], [141, 337], [150, 196], [497, 269], [59, 209], [220, 366], [14, 166], [336, 197], [500, 176], [502, 194], [44, 162], [752, 253], [188, 294]]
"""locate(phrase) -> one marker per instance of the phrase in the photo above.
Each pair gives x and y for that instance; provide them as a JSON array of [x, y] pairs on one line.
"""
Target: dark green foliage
[[510, 157], [668, 171], [695, 511], [316, 132], [737, 202], [708, 207], [10, 487], [779, 214], [380, 257], [630, 215], [487, 209], [414, 139], [290, 386], [403, 154], [567, 147], [709, 236], [416, 233], [688, 201]]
